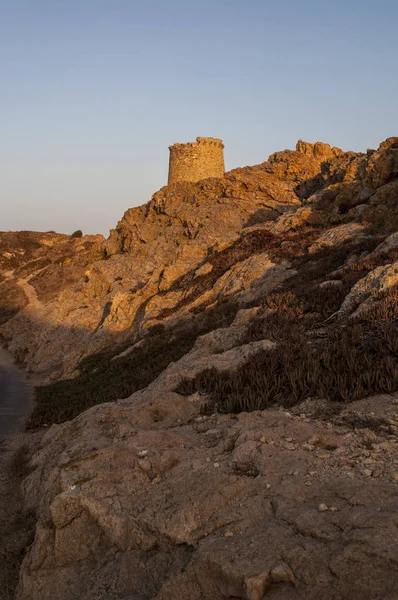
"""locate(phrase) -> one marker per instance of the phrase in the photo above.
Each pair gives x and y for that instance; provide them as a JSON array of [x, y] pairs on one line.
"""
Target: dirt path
[[16, 448], [30, 292], [15, 397]]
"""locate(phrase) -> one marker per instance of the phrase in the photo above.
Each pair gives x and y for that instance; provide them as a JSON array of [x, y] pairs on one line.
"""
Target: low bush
[[104, 380], [350, 363], [279, 248], [346, 362], [385, 307]]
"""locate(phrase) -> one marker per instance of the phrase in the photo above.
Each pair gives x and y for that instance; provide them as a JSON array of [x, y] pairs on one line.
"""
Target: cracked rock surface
[[149, 499]]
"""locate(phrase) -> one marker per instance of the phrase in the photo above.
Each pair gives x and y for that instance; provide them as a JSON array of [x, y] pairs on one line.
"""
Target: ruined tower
[[196, 160]]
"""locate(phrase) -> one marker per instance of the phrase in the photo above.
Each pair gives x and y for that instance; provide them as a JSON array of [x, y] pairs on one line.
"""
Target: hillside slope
[[235, 342], [115, 290]]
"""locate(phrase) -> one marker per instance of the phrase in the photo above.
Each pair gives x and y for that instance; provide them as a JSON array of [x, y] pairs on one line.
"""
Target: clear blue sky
[[94, 91]]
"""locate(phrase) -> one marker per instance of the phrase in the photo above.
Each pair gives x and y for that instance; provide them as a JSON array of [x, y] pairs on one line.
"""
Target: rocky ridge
[[184, 486], [151, 248]]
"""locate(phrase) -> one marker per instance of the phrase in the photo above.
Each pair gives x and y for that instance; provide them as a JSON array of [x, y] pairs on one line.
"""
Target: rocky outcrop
[[89, 300], [337, 235], [382, 166], [93, 293], [149, 499], [262, 283], [369, 290], [320, 151], [39, 269], [141, 264], [90, 303]]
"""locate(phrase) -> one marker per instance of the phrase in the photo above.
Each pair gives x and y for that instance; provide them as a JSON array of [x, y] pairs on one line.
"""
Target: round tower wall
[[196, 160]]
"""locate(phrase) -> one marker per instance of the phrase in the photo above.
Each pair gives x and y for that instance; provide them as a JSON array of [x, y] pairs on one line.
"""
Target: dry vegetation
[[343, 361], [315, 355], [104, 380], [348, 362], [250, 244], [320, 352]]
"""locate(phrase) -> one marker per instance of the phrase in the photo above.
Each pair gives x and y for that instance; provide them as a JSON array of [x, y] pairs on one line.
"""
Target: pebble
[[263, 440], [322, 507], [367, 472], [142, 453], [308, 483], [395, 477], [145, 465], [308, 447], [229, 534], [314, 440], [268, 486], [216, 465], [280, 573], [333, 509]]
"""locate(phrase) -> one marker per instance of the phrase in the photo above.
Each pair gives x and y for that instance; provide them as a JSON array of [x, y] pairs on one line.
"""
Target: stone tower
[[196, 160]]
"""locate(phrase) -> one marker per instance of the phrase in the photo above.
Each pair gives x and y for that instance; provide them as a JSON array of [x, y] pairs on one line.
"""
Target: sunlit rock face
[[221, 399], [90, 292]]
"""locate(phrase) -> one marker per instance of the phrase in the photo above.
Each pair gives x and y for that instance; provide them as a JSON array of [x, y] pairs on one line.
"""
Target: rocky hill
[[221, 378]]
